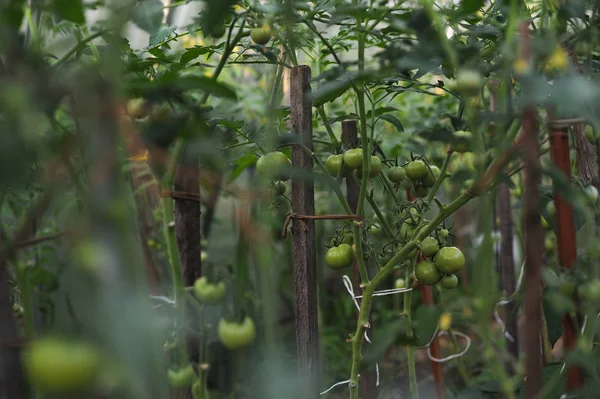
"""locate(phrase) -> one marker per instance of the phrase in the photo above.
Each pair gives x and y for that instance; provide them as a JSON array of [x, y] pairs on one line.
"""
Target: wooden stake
[[303, 240], [567, 245]]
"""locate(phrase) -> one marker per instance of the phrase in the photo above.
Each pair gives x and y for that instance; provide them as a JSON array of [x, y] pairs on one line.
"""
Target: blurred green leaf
[[382, 338], [469, 6], [160, 35], [393, 120], [71, 10], [148, 15]]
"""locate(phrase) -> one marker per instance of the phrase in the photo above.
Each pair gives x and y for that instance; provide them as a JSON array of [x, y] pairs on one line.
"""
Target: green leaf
[[160, 35], [393, 120], [242, 164], [330, 91], [427, 318], [71, 10], [192, 53], [470, 6], [148, 15]]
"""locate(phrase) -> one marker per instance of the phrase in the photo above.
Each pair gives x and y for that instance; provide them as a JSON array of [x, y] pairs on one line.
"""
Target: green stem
[[440, 178], [357, 339], [546, 339], [384, 223], [388, 187], [35, 37], [323, 116], [77, 47], [26, 298], [462, 369], [410, 349], [91, 43]]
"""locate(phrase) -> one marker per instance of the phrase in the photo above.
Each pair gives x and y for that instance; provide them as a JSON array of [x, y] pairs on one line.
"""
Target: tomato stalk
[[440, 178], [410, 350], [323, 116], [384, 224]]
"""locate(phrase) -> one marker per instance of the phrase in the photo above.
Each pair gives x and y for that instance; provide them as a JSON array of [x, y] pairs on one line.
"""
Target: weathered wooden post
[[303, 238], [368, 386], [567, 245], [534, 239]]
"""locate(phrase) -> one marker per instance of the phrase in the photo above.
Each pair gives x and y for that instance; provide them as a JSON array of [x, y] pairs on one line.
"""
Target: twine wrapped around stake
[[301, 218]]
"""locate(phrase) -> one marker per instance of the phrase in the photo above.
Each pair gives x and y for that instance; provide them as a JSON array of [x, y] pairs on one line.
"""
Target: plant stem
[[323, 116], [26, 299], [33, 30], [441, 177], [384, 223], [388, 187], [462, 369], [410, 349], [357, 339], [77, 47]]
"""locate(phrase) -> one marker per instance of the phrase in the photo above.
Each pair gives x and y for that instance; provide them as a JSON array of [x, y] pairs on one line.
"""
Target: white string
[[350, 289], [454, 356], [501, 322], [335, 385]]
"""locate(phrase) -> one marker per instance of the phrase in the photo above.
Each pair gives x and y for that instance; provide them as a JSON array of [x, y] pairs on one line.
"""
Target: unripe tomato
[[400, 283], [396, 174], [261, 35], [590, 292], [375, 167], [181, 377], [415, 170], [234, 335], [58, 366], [591, 193], [218, 30], [444, 233], [427, 273], [274, 165], [406, 230], [468, 80], [138, 108], [589, 134], [551, 208], [279, 188], [354, 158], [450, 281], [347, 238], [462, 141], [429, 247], [374, 229], [333, 165], [203, 256], [421, 191], [567, 287], [208, 292], [549, 244], [545, 224], [339, 257], [431, 176], [450, 260]]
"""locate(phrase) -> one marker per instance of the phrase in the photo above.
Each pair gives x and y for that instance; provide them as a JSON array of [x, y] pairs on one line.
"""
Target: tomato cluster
[[442, 265]]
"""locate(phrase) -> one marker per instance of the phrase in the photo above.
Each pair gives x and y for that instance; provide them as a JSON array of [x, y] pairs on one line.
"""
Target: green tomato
[[274, 165], [339, 257], [590, 292], [450, 260], [415, 170], [400, 283], [57, 366], [209, 293], [591, 194], [218, 30], [545, 224], [429, 247], [468, 80], [375, 167], [234, 335], [444, 233], [375, 230], [396, 174], [551, 208], [462, 141], [334, 163], [549, 244], [203, 256], [354, 158], [431, 177], [261, 35], [406, 230], [567, 287], [347, 238], [427, 273], [450, 281], [385, 257], [138, 108], [589, 134], [421, 191], [182, 377], [280, 188]]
